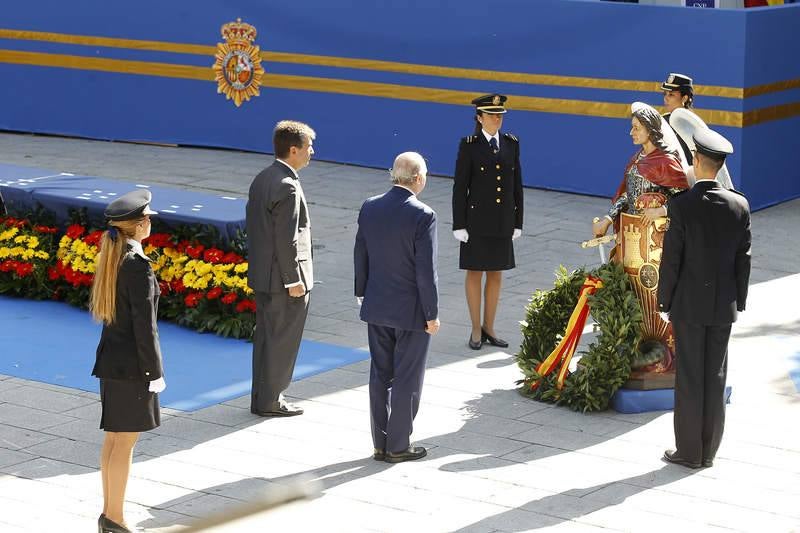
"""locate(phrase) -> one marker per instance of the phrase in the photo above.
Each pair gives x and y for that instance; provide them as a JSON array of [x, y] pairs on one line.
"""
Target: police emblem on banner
[[238, 68]]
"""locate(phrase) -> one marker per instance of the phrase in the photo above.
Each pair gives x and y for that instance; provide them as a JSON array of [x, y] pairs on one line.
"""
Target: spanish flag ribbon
[[562, 354]]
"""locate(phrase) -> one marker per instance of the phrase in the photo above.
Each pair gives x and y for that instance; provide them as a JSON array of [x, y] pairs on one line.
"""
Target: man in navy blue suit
[[397, 286]]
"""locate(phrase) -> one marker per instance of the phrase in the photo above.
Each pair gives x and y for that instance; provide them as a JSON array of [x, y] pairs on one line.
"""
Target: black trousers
[[700, 373], [395, 383], [280, 320]]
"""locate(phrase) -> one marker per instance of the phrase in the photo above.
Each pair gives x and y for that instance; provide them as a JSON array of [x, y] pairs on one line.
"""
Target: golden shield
[[237, 69]]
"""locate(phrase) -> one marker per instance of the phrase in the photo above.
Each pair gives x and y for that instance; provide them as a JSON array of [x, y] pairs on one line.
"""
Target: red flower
[[181, 246], [86, 279], [214, 293], [177, 286], [159, 240], [213, 256], [246, 305], [75, 231], [24, 269], [45, 229], [164, 286], [229, 298], [231, 257], [8, 265], [53, 273], [195, 251], [192, 299], [93, 238]]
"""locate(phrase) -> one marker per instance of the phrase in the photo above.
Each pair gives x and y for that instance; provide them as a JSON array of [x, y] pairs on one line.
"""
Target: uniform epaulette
[[470, 139], [510, 136]]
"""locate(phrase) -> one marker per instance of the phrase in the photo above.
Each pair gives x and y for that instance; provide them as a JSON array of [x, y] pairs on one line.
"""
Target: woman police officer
[[487, 212], [124, 298]]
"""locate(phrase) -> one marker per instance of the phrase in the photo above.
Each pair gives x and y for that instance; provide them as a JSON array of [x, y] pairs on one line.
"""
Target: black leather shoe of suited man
[[379, 454], [671, 456], [411, 454], [280, 409], [494, 341]]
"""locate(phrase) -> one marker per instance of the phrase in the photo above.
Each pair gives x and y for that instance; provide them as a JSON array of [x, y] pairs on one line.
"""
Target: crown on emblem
[[238, 31], [496, 100]]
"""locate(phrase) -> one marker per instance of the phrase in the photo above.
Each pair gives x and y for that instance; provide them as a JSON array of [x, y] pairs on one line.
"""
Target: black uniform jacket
[[705, 263], [129, 348], [487, 193]]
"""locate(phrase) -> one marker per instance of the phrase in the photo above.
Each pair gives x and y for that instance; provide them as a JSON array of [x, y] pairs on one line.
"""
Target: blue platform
[[55, 343], [641, 401], [23, 188]]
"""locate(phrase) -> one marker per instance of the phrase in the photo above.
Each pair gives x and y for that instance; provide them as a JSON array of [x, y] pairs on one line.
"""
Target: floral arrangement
[[26, 251], [203, 282]]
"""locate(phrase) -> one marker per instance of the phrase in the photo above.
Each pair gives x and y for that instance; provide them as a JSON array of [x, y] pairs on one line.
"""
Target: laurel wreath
[[606, 364]]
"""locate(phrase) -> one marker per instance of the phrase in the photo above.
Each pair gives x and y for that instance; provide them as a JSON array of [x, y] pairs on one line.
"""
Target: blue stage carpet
[[53, 342]]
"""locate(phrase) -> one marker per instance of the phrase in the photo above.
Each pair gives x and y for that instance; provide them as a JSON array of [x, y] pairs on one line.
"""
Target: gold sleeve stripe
[[384, 90]]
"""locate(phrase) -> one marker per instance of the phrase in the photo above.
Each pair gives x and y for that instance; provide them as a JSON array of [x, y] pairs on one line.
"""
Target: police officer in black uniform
[[703, 281], [487, 212], [128, 361], [678, 92]]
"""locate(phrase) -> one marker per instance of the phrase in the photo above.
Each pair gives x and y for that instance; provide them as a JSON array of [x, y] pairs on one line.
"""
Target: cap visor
[[669, 86], [148, 211], [492, 110]]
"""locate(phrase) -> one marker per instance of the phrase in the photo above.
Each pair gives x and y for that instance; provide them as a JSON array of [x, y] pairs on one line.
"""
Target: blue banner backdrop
[[378, 78]]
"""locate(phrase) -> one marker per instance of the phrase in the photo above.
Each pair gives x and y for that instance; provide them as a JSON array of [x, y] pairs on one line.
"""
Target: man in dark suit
[[396, 283], [704, 275], [280, 269]]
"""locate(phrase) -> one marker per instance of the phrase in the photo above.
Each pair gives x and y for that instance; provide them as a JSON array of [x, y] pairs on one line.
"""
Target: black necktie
[[493, 144]]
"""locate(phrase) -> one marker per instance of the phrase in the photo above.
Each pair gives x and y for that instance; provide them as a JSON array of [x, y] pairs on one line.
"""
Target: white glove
[[461, 235], [517, 234], [664, 316], [157, 385], [359, 300]]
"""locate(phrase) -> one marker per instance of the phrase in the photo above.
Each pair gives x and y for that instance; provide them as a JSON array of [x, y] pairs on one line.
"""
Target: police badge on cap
[[490, 103], [130, 206]]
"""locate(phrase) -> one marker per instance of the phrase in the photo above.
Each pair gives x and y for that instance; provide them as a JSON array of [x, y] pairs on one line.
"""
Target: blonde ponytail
[[103, 297]]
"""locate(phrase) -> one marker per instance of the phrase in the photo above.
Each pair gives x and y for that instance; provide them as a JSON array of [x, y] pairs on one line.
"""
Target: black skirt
[[128, 406], [486, 254]]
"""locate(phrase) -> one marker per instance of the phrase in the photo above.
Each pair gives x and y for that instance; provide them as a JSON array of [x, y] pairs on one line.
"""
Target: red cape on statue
[[656, 167]]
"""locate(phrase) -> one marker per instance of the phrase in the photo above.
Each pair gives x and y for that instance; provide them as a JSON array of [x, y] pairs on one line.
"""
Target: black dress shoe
[[109, 526], [100, 523], [475, 345], [494, 341], [708, 463], [672, 456], [411, 454], [284, 409], [379, 454]]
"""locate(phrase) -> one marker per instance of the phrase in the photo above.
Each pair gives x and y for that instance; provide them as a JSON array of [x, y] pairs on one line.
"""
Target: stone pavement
[[497, 461]]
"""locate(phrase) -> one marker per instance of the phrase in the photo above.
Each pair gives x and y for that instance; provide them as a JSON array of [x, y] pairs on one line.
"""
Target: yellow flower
[[8, 234], [241, 268], [4, 252], [33, 241], [41, 254]]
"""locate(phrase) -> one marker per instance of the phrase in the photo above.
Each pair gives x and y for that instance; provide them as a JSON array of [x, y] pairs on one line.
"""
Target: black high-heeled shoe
[[100, 522], [109, 526], [494, 341], [475, 345]]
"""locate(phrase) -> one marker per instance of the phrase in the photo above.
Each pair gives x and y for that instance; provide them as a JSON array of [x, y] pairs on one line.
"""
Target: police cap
[[677, 82], [490, 103], [130, 206], [712, 144]]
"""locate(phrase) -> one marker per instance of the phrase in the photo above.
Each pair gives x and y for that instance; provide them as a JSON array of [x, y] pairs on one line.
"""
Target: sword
[[599, 242]]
